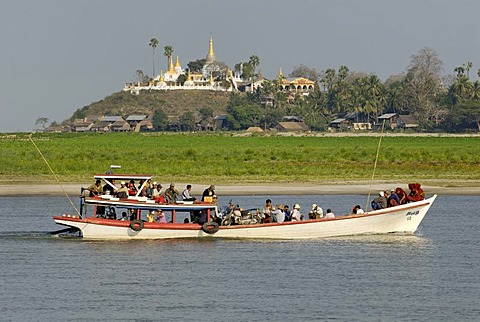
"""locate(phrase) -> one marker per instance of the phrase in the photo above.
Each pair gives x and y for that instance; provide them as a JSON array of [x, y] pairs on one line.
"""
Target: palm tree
[[167, 52], [468, 66], [460, 70], [255, 62], [475, 91], [153, 43]]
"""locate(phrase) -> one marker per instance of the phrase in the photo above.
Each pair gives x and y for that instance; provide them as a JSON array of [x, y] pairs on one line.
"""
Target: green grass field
[[228, 158]]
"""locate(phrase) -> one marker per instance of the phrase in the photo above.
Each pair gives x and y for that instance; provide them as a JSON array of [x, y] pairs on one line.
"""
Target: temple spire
[[280, 74], [211, 54], [211, 78], [170, 65], [177, 64]]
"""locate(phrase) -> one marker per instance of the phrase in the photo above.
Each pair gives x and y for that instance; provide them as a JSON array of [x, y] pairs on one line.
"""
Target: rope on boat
[[375, 166], [54, 175]]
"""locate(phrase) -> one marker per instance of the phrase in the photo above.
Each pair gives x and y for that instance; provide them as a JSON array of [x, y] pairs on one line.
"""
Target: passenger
[[402, 195], [148, 189], [287, 212], [357, 210], [380, 202], [186, 194], [151, 216], [296, 215], [316, 212], [393, 199], [421, 193], [209, 192], [157, 191], [95, 189], [122, 192], [140, 184], [132, 190], [226, 210], [171, 194], [109, 189], [278, 215], [416, 193], [133, 214], [160, 217], [124, 216], [329, 214], [267, 211]]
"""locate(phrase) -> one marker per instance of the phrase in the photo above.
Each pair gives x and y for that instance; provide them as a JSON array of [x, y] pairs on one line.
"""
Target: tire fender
[[136, 225], [210, 227]]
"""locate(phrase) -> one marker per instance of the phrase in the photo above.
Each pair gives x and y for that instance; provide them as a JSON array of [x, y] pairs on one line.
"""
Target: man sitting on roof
[[95, 189], [122, 192], [171, 194]]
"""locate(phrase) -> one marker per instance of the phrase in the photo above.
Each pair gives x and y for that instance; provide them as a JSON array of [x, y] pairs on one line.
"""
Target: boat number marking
[[412, 213]]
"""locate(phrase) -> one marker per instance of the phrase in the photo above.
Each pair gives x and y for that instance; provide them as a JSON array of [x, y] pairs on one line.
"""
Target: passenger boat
[[400, 219]]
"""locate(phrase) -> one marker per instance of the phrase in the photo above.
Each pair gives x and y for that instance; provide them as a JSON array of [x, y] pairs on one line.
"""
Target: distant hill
[[174, 103]]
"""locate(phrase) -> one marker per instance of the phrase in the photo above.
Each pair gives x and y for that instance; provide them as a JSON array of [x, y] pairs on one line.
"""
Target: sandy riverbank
[[249, 189]]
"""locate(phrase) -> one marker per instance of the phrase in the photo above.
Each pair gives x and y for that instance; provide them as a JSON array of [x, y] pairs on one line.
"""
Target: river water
[[430, 276]]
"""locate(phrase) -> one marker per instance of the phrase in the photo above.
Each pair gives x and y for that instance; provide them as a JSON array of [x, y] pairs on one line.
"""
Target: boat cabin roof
[[107, 178], [125, 177]]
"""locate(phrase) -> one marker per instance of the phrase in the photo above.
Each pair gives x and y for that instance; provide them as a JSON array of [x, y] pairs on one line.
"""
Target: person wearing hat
[[380, 202], [296, 215], [316, 212], [122, 192]]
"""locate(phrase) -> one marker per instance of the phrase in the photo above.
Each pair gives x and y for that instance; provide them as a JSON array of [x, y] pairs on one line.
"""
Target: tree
[[305, 72], [153, 43], [468, 66], [327, 79], [244, 116], [255, 62], [423, 83], [197, 65], [42, 121], [168, 52], [464, 115], [160, 120], [141, 77], [187, 121]]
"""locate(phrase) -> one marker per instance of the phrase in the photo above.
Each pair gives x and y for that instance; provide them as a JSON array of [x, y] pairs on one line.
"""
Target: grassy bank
[[229, 158]]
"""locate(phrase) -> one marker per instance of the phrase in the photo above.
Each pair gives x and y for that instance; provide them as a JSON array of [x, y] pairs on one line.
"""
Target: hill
[[174, 103]]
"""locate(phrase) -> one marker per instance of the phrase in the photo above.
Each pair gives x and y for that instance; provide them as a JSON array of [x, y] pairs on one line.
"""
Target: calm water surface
[[430, 276]]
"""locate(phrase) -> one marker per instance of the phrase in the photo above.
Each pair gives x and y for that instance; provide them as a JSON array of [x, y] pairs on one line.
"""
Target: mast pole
[[374, 166], [54, 175]]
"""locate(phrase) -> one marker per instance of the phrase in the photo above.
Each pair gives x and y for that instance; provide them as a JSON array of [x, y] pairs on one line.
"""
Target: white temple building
[[169, 79]]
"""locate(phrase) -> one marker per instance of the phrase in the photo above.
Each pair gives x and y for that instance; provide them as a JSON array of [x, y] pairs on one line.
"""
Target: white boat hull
[[401, 219]]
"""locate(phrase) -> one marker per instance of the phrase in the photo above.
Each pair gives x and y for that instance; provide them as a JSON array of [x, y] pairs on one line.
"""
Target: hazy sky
[[57, 56]]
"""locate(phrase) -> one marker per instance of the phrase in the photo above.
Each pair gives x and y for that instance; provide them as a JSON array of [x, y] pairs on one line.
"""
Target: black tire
[[210, 227], [226, 222], [136, 225]]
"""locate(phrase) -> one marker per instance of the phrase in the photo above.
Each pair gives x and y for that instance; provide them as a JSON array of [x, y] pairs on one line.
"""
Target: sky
[[58, 56]]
